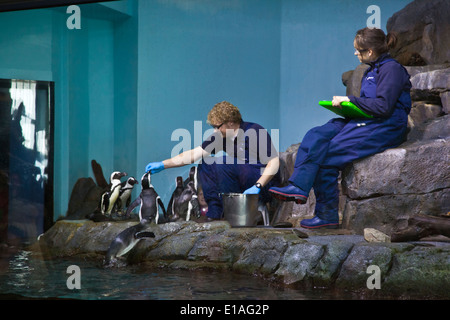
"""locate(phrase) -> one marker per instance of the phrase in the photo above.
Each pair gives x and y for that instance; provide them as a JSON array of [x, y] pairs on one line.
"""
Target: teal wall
[[140, 69], [193, 55]]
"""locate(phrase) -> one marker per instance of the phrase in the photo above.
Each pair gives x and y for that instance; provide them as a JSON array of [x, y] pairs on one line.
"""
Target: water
[[27, 274]]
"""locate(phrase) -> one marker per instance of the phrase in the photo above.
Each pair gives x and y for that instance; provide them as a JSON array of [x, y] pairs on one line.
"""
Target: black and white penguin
[[149, 201], [172, 210], [110, 197], [185, 205], [124, 199], [125, 241]]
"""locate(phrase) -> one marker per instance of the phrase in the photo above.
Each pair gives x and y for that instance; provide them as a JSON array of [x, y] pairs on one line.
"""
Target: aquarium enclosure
[[26, 159]]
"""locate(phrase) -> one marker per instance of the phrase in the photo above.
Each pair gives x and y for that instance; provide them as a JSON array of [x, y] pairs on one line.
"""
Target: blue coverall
[[385, 94], [246, 156]]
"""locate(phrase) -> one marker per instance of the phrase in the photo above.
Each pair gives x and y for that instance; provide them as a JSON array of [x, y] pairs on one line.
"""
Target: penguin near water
[[149, 201], [124, 199], [125, 241], [110, 197], [184, 203]]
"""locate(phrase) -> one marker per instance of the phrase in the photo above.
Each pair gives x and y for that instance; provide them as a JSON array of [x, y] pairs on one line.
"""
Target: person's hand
[[336, 102], [252, 190], [154, 167]]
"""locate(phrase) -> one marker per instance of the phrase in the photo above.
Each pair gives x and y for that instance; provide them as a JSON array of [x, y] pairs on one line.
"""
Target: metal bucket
[[241, 210]]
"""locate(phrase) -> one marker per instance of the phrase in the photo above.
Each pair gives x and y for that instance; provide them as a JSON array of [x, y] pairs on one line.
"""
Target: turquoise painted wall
[[140, 69], [87, 66], [193, 55]]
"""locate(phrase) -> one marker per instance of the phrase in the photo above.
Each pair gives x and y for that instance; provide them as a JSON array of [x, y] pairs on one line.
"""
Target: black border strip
[[15, 5]]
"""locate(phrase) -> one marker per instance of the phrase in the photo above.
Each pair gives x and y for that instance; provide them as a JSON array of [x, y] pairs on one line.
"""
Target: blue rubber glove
[[154, 167], [252, 190]]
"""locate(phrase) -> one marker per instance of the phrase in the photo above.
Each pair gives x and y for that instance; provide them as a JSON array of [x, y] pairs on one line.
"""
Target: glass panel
[[26, 160]]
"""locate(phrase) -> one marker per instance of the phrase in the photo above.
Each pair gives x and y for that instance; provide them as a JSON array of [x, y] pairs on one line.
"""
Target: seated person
[[385, 94]]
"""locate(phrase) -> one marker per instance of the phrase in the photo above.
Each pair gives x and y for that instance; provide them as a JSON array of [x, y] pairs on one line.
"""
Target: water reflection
[[31, 276]]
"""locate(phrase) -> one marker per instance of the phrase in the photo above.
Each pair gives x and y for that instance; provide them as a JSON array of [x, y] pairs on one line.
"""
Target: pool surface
[[26, 274]]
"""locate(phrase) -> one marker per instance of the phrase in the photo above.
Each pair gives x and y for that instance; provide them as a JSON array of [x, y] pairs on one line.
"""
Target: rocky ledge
[[334, 259]]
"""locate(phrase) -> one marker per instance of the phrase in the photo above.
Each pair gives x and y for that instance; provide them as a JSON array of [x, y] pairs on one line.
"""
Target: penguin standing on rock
[[110, 197], [184, 202], [124, 199], [172, 209], [149, 201]]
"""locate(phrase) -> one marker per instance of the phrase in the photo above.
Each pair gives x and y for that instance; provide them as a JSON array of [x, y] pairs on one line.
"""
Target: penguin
[[110, 197], [185, 204], [124, 199], [125, 241], [171, 210], [191, 191], [149, 201]]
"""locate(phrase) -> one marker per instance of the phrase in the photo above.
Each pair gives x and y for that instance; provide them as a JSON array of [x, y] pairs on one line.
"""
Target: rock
[[438, 128], [396, 183], [445, 100], [262, 255], [328, 267], [373, 235], [424, 268], [84, 199], [384, 212], [297, 262], [414, 169], [352, 80], [432, 80], [423, 32], [278, 255], [422, 112], [414, 70], [354, 268]]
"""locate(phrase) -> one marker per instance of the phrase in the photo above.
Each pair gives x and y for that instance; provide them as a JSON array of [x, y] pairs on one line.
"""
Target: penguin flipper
[[144, 234], [161, 204], [133, 205], [169, 212]]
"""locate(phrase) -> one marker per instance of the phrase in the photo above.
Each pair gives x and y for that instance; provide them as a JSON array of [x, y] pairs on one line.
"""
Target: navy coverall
[[385, 94], [246, 157]]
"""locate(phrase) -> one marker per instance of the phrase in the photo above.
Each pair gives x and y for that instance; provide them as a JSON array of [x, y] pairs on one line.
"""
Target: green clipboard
[[349, 110]]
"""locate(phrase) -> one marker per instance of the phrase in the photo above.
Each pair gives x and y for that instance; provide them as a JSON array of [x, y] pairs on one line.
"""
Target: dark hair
[[375, 39]]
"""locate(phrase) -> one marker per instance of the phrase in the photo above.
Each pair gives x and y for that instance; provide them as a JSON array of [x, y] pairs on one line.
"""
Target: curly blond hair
[[223, 112]]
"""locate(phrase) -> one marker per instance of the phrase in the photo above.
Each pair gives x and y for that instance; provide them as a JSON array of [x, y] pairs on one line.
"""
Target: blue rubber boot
[[289, 193], [317, 222]]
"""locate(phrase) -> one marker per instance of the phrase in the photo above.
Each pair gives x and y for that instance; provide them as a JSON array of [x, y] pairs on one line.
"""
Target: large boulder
[[398, 183], [423, 30], [84, 199]]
